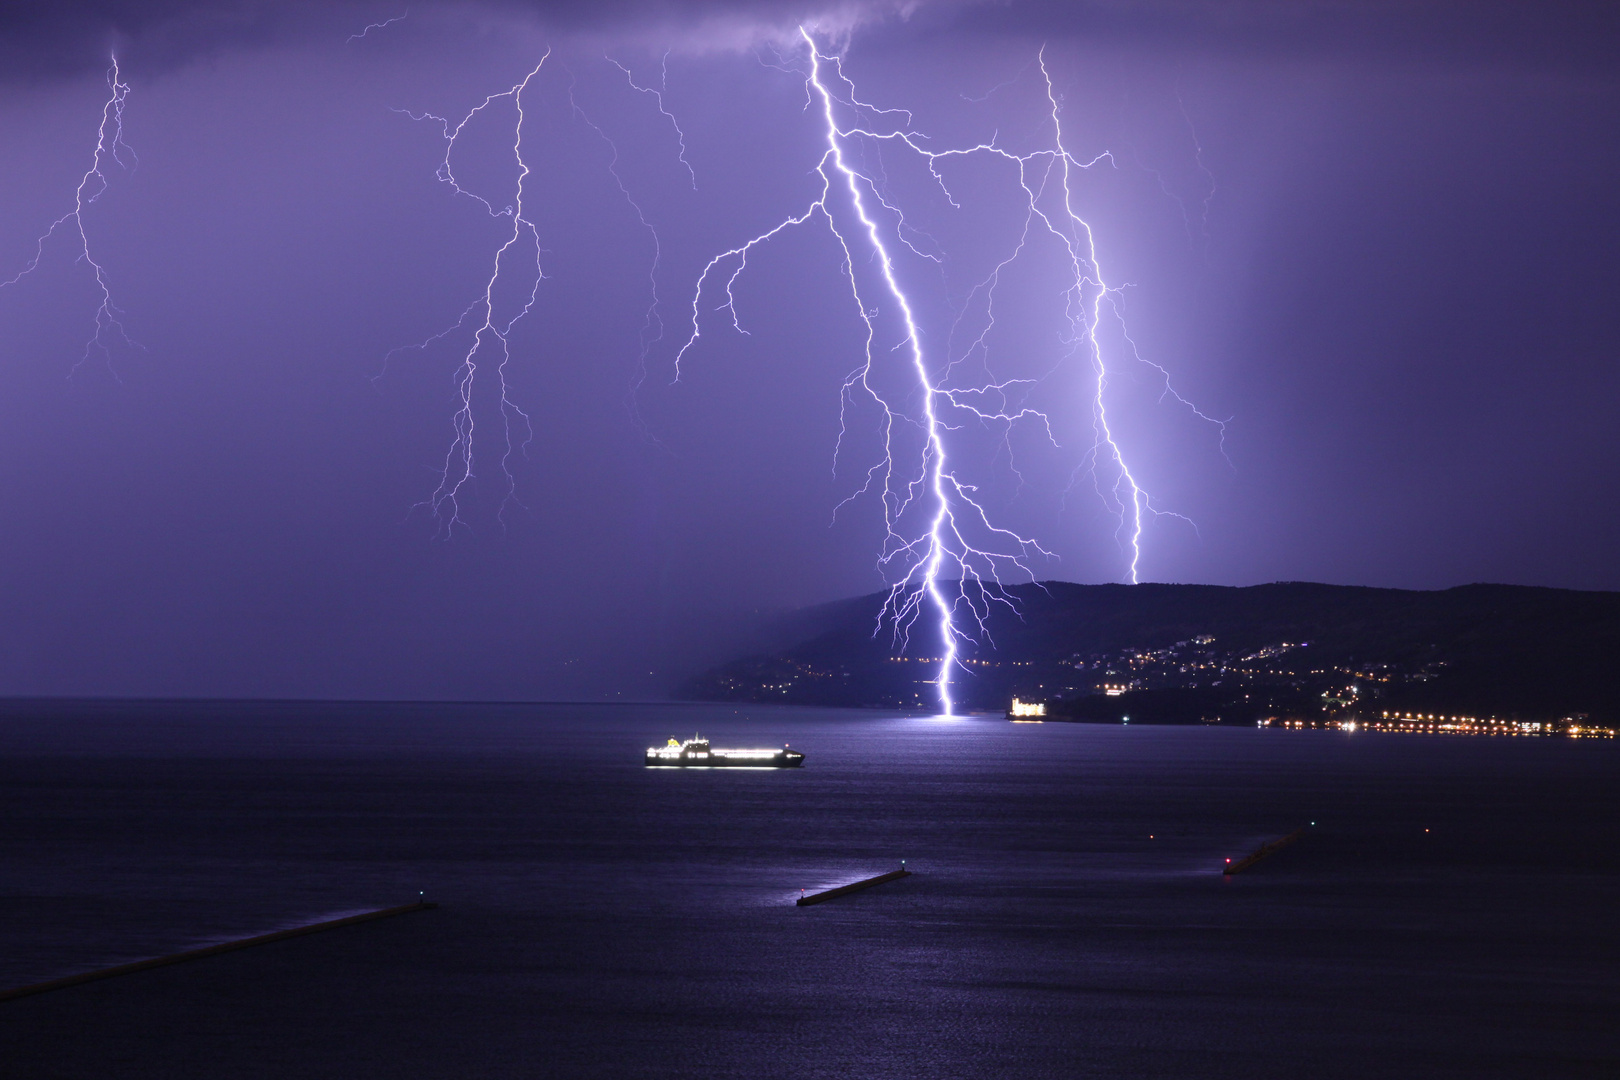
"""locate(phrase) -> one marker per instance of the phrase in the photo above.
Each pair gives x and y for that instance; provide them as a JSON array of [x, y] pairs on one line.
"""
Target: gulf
[[1448, 912]]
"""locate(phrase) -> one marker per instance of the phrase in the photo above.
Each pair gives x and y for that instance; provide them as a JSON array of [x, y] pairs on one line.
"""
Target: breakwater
[[207, 950], [855, 886]]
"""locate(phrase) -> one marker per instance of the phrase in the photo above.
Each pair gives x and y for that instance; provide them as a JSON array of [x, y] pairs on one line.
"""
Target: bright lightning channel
[[110, 145], [1085, 298], [940, 568], [1080, 241]]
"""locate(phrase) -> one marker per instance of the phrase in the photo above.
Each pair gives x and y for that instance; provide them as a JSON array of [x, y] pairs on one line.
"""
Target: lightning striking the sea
[[942, 552], [108, 326], [917, 564]]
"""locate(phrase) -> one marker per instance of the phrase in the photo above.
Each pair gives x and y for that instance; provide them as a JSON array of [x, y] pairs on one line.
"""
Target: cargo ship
[[696, 753]]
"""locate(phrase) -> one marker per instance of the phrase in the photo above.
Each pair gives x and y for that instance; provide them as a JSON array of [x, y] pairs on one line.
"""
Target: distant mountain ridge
[[1502, 650]]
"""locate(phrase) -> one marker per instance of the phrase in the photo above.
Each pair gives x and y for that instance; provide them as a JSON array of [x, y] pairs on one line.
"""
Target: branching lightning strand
[[458, 471], [658, 96], [366, 32], [92, 185], [940, 568], [652, 323]]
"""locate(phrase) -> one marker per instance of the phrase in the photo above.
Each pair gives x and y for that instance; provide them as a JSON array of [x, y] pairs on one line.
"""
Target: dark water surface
[[1452, 914]]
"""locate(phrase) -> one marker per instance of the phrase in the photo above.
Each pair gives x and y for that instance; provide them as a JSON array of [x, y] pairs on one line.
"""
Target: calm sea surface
[[1452, 913]]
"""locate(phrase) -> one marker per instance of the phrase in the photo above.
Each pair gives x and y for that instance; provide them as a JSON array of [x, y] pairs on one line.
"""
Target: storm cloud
[[73, 36], [1378, 237]]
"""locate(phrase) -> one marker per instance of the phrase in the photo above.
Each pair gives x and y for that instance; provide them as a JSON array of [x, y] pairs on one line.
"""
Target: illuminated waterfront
[[1441, 724]]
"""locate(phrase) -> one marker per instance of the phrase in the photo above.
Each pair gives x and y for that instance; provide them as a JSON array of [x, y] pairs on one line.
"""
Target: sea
[[1452, 908]]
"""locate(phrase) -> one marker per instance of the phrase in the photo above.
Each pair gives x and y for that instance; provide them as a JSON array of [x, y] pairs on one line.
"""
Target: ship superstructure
[[697, 753]]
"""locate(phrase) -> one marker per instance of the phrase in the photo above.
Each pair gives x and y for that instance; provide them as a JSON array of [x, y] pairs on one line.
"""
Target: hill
[[1193, 652]]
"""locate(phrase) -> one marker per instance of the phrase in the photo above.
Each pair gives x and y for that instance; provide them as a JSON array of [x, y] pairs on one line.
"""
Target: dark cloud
[[40, 39], [1398, 282], [44, 39], [1580, 32]]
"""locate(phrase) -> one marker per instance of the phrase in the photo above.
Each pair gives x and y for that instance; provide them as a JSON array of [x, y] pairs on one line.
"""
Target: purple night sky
[[1379, 238]]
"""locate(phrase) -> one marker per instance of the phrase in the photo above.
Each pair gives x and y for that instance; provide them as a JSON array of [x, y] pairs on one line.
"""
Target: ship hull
[[718, 761]]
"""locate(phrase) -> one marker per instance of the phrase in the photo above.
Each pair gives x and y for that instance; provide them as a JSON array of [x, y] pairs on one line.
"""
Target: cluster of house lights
[[1439, 724]]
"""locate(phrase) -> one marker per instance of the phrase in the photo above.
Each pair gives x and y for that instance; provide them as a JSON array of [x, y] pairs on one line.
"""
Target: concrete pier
[[208, 950], [1260, 853], [842, 890]]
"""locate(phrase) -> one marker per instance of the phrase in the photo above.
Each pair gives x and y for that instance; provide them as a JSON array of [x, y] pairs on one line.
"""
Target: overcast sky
[[1376, 241]]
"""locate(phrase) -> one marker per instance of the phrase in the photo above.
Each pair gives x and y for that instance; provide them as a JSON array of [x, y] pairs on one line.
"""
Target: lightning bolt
[[938, 567], [110, 145], [652, 323], [658, 96], [492, 323], [1086, 316], [953, 564], [377, 26], [1085, 298]]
